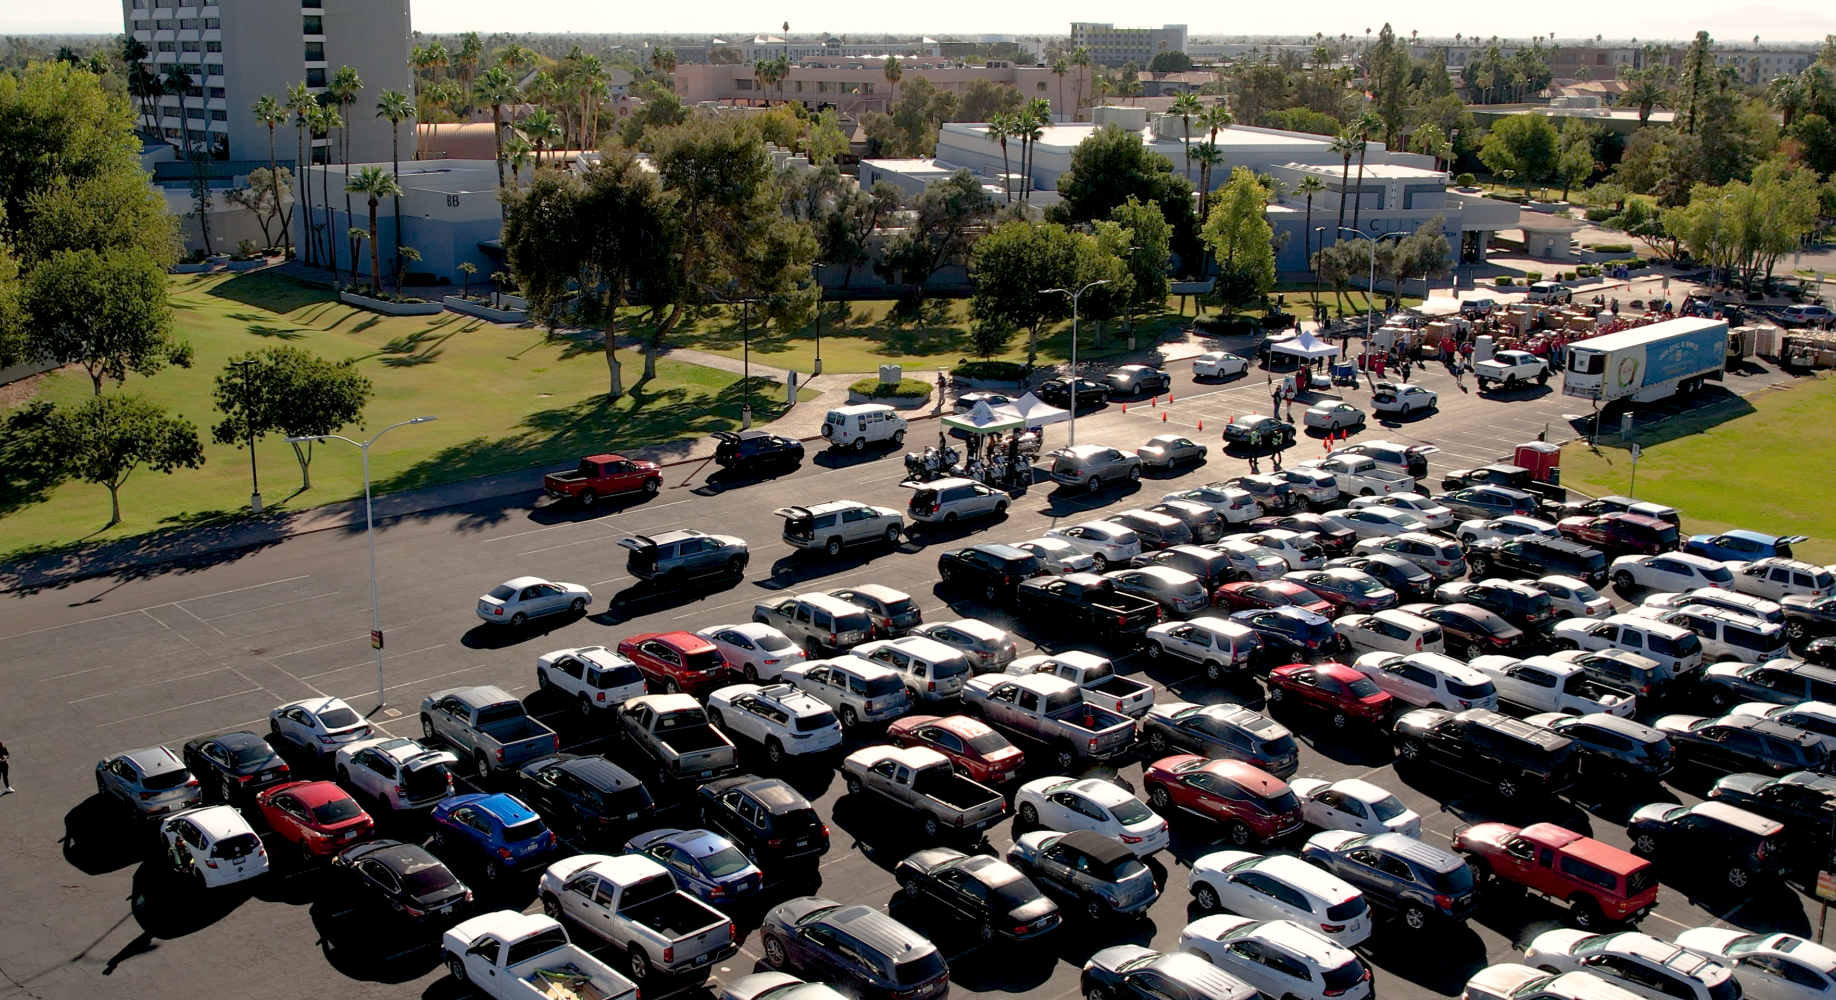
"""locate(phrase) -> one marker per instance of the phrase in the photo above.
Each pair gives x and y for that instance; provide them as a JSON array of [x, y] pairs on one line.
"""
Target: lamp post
[[746, 362], [1073, 380], [242, 369], [369, 528], [1370, 288]]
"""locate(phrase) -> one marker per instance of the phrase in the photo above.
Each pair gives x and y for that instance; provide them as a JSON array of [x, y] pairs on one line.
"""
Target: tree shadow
[[277, 293], [276, 332]]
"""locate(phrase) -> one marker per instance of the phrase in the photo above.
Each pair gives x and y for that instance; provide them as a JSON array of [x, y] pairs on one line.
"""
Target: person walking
[[6, 772], [1255, 448]]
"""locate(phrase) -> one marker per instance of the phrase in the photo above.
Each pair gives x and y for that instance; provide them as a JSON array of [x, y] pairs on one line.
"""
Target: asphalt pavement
[[161, 655]]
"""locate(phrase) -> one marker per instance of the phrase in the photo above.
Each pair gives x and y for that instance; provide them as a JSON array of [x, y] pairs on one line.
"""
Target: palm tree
[[1364, 125], [395, 106], [494, 87], [1080, 58], [1187, 107], [590, 78], [1035, 116], [372, 181], [437, 60], [178, 82], [1786, 95], [269, 112], [300, 102], [142, 84], [893, 71], [1001, 126], [1309, 186], [1209, 157], [1644, 95], [515, 58], [541, 129], [1346, 143], [465, 63], [343, 89], [1060, 67], [325, 119], [1216, 119], [517, 153]]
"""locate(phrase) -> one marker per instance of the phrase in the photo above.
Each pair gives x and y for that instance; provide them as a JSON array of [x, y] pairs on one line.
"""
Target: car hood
[[747, 987], [1503, 980], [1725, 671], [792, 910], [1561, 941], [1651, 813], [1332, 840], [1676, 724], [928, 859], [1709, 940]]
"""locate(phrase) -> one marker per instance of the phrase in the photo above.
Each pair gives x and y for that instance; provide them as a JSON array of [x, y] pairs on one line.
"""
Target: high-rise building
[[1113, 46], [234, 51]]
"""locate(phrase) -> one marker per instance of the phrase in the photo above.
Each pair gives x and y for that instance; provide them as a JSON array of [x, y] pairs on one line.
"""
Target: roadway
[[161, 656]]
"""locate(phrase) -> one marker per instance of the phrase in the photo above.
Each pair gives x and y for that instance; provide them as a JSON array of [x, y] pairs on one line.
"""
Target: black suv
[[1537, 556], [1057, 391], [1611, 747], [1398, 873], [750, 451], [1744, 743], [1471, 630], [1211, 566], [992, 570], [985, 892], [1411, 582], [1712, 835], [769, 820], [591, 797], [1802, 800], [1510, 754], [858, 949], [1522, 605]]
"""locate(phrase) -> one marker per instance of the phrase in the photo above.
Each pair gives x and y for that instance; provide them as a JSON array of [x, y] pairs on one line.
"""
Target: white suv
[[1726, 635], [1280, 887], [594, 677], [1773, 578], [399, 773], [215, 844], [1571, 598], [1653, 969], [946, 501], [1390, 631], [782, 719], [1429, 680], [829, 526], [931, 670], [1105, 542], [1676, 650], [1280, 958]]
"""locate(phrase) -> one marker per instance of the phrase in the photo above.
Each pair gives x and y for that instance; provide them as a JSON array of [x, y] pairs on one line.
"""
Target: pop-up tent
[[1037, 412], [1305, 346], [985, 419]]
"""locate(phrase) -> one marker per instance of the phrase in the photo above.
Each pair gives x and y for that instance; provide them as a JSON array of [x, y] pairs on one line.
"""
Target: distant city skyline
[[1567, 18]]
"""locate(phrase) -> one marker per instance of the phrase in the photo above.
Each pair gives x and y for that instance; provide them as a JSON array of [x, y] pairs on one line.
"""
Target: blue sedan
[[703, 863], [506, 835], [1741, 544]]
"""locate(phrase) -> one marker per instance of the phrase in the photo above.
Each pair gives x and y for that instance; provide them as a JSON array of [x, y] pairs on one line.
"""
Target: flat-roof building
[[1113, 46]]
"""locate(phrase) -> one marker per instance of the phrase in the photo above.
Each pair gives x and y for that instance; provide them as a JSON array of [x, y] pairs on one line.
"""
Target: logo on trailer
[[1628, 372]]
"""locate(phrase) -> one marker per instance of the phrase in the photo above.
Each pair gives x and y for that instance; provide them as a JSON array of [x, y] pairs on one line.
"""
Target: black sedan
[[590, 797], [1057, 391], [1802, 800], [234, 766], [1807, 617], [1470, 629], [1272, 429], [1743, 743], [768, 819], [405, 877], [1346, 589], [986, 893], [750, 451], [1137, 380], [1131, 971], [1411, 582]]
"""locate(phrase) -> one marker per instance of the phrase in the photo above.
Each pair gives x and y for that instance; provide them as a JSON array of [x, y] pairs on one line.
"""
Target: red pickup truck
[[603, 475], [1599, 882]]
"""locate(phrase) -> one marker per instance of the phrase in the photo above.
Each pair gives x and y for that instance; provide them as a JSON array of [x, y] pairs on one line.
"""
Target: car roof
[[880, 592], [1585, 848], [316, 793], [240, 739], [518, 583], [700, 843], [1545, 738], [1305, 875], [666, 537], [1427, 855], [1751, 536], [1004, 551], [1361, 790], [1810, 779], [966, 726], [878, 931], [600, 773], [1102, 791], [506, 809], [977, 627], [1247, 775], [777, 797], [1298, 940], [219, 821], [154, 760], [399, 857]]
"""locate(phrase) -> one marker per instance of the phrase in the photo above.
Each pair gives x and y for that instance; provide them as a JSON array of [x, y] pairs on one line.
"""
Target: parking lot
[[111, 664]]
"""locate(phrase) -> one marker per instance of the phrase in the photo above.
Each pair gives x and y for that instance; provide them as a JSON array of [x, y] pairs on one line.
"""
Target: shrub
[[1465, 180], [1223, 326], [1277, 321], [1587, 271], [1601, 214], [1612, 248], [993, 371], [905, 388], [1504, 281], [1631, 263], [1533, 276]]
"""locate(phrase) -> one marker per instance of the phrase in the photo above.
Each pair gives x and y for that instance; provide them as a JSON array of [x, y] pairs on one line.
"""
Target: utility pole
[[242, 370]]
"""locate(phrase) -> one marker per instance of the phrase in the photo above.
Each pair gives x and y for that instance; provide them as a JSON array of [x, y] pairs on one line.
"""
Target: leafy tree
[[947, 214], [1301, 119], [1011, 267], [1640, 220], [1152, 240], [1170, 62], [1386, 67], [1425, 253], [1337, 264], [984, 98], [104, 439], [1102, 255], [291, 392], [1814, 142], [105, 311], [1526, 144], [1111, 166], [260, 198], [1240, 238]]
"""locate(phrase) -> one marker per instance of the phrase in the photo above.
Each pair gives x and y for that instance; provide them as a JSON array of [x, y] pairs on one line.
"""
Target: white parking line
[[359, 663], [265, 607], [150, 684], [175, 708]]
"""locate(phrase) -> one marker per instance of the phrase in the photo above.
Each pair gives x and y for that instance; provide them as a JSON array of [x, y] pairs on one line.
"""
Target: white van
[[863, 424], [1550, 292]]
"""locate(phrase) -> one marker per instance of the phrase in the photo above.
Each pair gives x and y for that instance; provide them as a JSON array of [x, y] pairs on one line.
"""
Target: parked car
[[923, 784], [1411, 460], [214, 844], [1534, 556], [860, 424], [1093, 466], [1430, 680], [1524, 606], [985, 647], [1318, 488], [1057, 556], [968, 400], [1218, 364], [752, 451], [759, 652], [1178, 593], [1676, 651], [1273, 430], [318, 726], [858, 948], [1250, 804], [1291, 632], [767, 819], [701, 862], [1782, 682], [1058, 392], [1804, 315], [396, 773], [1618, 504], [1081, 603], [1051, 713], [1509, 369], [1333, 415], [1105, 542], [1726, 636], [232, 767], [515, 601], [1739, 846], [931, 670], [1210, 566], [677, 662], [1203, 522], [603, 476], [1220, 647], [1250, 561], [1508, 526], [1402, 398], [986, 893], [975, 750], [1083, 869], [1488, 502], [588, 796], [819, 623], [633, 904], [675, 557], [947, 501], [1546, 684], [1653, 969], [1801, 800], [1419, 882], [1818, 717], [673, 731], [487, 726], [1347, 590], [1470, 629], [1327, 533], [1776, 579], [593, 677], [1300, 550], [1354, 804], [1598, 882], [1389, 631], [1344, 694], [1512, 756], [830, 526], [317, 818], [1771, 965], [1743, 743], [1374, 523], [1571, 598], [1094, 675], [497, 830], [994, 571], [152, 782], [1411, 582], [1280, 887], [1718, 597], [404, 877], [1356, 475], [504, 955], [1156, 531], [1272, 492], [1613, 747], [1234, 504], [1742, 545], [1671, 571], [778, 717], [1437, 556], [1168, 450], [1137, 380], [1222, 732], [1436, 516], [1067, 804], [858, 691], [1279, 958]]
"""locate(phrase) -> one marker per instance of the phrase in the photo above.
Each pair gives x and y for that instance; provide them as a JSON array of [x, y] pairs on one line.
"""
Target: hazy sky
[[1568, 18]]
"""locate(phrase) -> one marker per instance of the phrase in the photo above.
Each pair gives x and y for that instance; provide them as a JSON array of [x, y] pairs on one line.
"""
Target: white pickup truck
[[1508, 369], [633, 904], [1096, 676], [516, 956], [1359, 476], [1546, 684]]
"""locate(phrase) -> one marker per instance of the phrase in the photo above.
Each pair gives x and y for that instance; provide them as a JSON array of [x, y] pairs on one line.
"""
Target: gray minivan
[[819, 623], [677, 555]]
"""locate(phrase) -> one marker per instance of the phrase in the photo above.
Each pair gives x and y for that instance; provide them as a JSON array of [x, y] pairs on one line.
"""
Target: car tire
[[586, 707], [651, 486], [992, 593], [1414, 917], [518, 620], [898, 438], [1585, 913], [774, 751], [1134, 473], [1099, 562], [1644, 844], [931, 828], [1065, 756], [306, 855], [737, 566], [1096, 993], [588, 498], [833, 547], [1094, 485], [849, 719], [1794, 629], [751, 673], [577, 605], [716, 719], [551, 906], [1240, 834], [892, 534], [637, 962], [1721, 697], [1739, 877], [481, 766], [1205, 897], [774, 952], [1029, 815], [1410, 750], [1277, 694], [852, 784], [1507, 788], [1152, 649], [1000, 508], [1095, 909], [1159, 798], [1214, 671], [950, 518], [455, 968], [671, 687], [1623, 580], [1340, 720]]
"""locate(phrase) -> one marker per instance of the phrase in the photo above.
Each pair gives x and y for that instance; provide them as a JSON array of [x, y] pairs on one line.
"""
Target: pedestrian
[[1288, 394], [1405, 369], [1459, 375], [6, 772], [1255, 448], [1280, 441]]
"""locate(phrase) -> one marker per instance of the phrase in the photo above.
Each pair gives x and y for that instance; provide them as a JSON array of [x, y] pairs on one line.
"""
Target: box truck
[[1647, 363]]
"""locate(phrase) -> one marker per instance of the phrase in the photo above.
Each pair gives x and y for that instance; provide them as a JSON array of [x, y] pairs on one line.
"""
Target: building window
[[866, 88], [315, 51], [219, 116], [313, 24], [143, 25], [213, 46], [217, 92], [314, 4], [743, 84], [197, 113], [315, 77], [168, 46], [172, 133], [214, 69], [213, 23], [166, 24], [189, 23], [188, 46], [825, 87]]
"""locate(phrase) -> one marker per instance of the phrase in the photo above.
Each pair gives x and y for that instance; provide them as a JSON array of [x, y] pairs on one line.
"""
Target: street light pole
[[1370, 288], [369, 529], [242, 367], [1073, 381]]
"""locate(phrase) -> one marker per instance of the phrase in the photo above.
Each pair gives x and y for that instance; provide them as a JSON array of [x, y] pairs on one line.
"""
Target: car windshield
[[707, 659], [988, 743], [901, 607], [1388, 808], [424, 879], [338, 718], [256, 754], [502, 593], [724, 862], [1280, 746], [1318, 631], [1585, 594], [1716, 574], [1131, 811], [1684, 645], [1364, 687], [239, 846], [618, 676], [517, 833], [1751, 942], [1457, 882], [1471, 692], [772, 642], [1350, 908], [337, 811], [1281, 802], [1345, 976], [922, 969], [884, 685], [813, 723], [161, 782], [955, 666]]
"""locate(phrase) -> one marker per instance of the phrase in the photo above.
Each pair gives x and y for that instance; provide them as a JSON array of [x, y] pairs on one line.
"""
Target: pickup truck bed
[[692, 740], [673, 916], [953, 790], [515, 730], [1091, 720]]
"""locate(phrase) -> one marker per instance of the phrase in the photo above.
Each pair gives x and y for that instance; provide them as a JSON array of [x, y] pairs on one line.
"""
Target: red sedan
[[1248, 594], [1253, 805], [1621, 532], [677, 661], [317, 817], [973, 748], [1347, 695]]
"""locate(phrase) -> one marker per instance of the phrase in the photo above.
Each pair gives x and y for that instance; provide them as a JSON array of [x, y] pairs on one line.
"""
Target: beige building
[[857, 86], [1113, 46]]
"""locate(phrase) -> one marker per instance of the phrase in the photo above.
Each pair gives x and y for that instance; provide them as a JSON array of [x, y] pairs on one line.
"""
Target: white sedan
[[1356, 805], [1068, 804], [1437, 516], [1333, 415], [514, 602], [1218, 364], [1677, 572], [1233, 505], [1057, 556], [778, 717], [1280, 958], [1280, 887], [1402, 398], [318, 726], [1767, 966], [1505, 528], [1376, 522], [760, 652]]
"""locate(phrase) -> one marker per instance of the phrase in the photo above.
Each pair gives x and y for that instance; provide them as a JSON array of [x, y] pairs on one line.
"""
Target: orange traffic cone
[[1163, 416], [1169, 397], [1201, 425], [1154, 401], [1124, 407]]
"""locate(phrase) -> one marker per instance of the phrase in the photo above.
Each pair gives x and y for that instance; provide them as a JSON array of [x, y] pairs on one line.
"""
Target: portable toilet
[[1544, 460]]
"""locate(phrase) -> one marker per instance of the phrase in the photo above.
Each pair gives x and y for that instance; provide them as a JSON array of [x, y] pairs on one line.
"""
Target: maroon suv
[[1621, 533]]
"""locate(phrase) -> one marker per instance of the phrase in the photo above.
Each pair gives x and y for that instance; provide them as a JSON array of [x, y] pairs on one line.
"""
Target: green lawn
[[1767, 470], [506, 399]]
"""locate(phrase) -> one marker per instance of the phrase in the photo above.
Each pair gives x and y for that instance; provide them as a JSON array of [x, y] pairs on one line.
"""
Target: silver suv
[[675, 556], [1093, 465], [829, 526], [859, 691], [817, 622]]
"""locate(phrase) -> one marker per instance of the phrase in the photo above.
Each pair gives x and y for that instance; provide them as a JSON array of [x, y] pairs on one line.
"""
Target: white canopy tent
[[1037, 412], [985, 419], [1305, 346]]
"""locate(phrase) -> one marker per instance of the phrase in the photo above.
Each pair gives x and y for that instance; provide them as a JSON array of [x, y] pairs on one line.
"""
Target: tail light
[[599, 696], [1091, 743], [717, 892], [868, 706], [245, 778], [1332, 928], [669, 954], [328, 740], [1761, 853], [497, 611], [1126, 839], [209, 863], [930, 685], [1121, 619], [1418, 643], [775, 842], [1443, 901], [147, 795], [825, 826], [1021, 929], [504, 852], [500, 755], [959, 821], [192, 783]]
